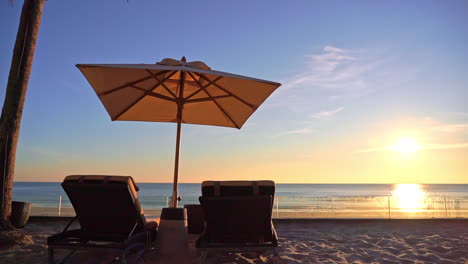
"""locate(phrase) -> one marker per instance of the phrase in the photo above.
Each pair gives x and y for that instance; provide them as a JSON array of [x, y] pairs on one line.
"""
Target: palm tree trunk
[[12, 111]]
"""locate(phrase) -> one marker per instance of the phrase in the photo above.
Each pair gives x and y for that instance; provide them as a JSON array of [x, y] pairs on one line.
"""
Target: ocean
[[282, 189], [298, 200]]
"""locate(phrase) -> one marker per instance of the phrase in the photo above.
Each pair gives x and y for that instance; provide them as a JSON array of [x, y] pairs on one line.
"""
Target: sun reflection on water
[[409, 197]]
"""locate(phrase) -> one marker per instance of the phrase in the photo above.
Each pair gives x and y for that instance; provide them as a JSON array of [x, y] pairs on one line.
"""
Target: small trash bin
[[195, 218], [20, 213]]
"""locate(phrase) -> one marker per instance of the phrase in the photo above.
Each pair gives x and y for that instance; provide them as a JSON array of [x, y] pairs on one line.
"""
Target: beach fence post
[[445, 204], [388, 199], [333, 206], [60, 205]]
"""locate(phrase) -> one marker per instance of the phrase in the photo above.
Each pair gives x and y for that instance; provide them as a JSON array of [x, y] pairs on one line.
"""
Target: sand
[[301, 241]]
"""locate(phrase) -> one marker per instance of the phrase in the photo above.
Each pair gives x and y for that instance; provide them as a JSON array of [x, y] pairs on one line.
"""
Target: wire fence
[[384, 207]]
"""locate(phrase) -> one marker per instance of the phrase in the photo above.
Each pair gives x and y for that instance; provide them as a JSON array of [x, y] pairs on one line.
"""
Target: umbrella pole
[[180, 108], [176, 165]]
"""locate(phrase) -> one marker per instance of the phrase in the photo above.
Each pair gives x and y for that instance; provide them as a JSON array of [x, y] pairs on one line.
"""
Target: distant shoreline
[[281, 214], [289, 183]]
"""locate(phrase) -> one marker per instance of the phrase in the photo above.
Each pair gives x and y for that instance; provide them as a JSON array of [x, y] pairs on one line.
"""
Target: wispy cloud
[[327, 114], [445, 146], [335, 69], [333, 49], [451, 128], [334, 75], [420, 147], [429, 134], [434, 125], [302, 131]]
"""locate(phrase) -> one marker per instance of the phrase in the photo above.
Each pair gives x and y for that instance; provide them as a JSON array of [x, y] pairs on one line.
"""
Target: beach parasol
[[176, 91]]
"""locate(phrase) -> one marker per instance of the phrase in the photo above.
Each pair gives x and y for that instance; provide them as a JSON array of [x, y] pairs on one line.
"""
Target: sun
[[406, 145]]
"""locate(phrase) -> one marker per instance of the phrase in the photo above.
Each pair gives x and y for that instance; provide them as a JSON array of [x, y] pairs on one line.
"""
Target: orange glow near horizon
[[395, 153]]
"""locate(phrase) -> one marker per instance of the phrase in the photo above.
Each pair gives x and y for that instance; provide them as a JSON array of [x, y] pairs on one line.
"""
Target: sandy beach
[[301, 241]]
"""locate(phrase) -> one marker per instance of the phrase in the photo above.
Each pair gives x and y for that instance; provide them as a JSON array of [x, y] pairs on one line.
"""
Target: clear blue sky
[[357, 77]]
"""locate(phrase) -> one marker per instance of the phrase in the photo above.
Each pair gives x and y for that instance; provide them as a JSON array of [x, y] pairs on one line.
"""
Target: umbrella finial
[[183, 59]]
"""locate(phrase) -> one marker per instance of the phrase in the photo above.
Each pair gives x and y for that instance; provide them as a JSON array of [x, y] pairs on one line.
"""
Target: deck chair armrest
[[70, 234], [274, 235], [69, 224], [150, 225]]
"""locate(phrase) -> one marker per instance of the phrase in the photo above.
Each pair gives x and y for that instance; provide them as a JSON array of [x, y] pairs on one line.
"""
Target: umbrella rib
[[177, 81], [228, 92], [199, 90], [128, 107], [206, 99], [134, 103], [151, 93], [138, 100], [214, 101], [162, 83], [132, 83]]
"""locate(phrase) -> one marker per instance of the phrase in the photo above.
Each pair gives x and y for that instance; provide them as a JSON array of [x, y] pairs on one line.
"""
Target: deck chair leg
[[203, 256], [50, 252], [276, 258], [271, 253]]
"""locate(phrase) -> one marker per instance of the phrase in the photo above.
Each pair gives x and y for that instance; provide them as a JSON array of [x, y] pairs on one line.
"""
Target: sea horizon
[[267, 179], [303, 200]]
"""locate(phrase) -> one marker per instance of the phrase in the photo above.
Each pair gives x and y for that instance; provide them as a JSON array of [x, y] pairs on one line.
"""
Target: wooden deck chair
[[238, 216], [109, 213]]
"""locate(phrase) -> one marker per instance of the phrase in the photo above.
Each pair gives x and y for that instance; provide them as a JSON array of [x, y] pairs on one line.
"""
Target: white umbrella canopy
[[176, 91]]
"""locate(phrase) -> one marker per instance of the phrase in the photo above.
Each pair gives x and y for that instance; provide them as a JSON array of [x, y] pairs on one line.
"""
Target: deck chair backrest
[[240, 219], [237, 188], [105, 205]]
